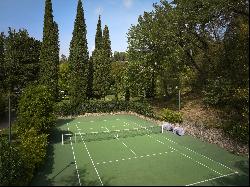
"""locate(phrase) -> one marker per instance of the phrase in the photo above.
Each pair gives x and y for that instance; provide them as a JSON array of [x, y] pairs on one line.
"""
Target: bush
[[18, 160], [35, 109], [171, 116], [32, 151], [11, 164], [65, 108]]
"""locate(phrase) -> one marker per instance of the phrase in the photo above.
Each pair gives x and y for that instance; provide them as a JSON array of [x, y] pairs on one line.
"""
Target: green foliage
[[198, 45], [49, 54], [101, 75], [32, 150], [171, 116], [106, 43], [65, 108], [11, 164], [118, 72], [21, 64], [90, 78], [101, 62], [64, 77], [19, 159], [35, 109], [78, 58], [98, 36], [120, 56], [2, 72]]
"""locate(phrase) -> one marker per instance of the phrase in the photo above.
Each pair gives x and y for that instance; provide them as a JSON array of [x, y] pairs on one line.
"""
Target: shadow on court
[[41, 174], [71, 180], [44, 175], [240, 179]]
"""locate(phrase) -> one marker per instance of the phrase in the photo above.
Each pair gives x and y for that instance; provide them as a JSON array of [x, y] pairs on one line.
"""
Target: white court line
[[91, 158], [160, 141], [197, 153], [193, 159], [201, 164], [107, 129], [130, 158], [200, 154], [132, 151], [124, 144], [212, 179], [75, 160]]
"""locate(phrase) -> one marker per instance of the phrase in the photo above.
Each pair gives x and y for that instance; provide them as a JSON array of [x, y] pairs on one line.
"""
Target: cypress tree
[[90, 78], [78, 58], [98, 36], [102, 62], [49, 54], [107, 58], [106, 42], [1, 61]]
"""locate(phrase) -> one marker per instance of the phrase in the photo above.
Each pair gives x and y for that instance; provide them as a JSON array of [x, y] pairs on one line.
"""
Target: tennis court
[[126, 150]]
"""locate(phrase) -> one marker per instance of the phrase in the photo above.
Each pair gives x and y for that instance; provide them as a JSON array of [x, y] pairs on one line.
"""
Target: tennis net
[[107, 135]]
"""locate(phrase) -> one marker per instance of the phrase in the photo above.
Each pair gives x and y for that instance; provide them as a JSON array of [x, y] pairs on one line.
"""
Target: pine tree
[[78, 58], [49, 55]]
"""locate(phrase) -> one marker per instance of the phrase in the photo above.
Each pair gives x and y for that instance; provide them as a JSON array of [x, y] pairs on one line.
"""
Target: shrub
[[32, 151], [171, 116], [11, 164], [35, 109]]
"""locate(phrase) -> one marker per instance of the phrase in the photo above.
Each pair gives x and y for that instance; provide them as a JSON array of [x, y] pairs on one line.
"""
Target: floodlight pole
[[9, 121], [179, 99]]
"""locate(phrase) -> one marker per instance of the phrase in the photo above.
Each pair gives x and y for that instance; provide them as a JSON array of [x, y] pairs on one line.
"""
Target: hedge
[[66, 108]]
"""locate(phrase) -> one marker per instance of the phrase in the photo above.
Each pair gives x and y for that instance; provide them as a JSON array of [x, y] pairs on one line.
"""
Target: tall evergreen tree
[[49, 55], [98, 36], [106, 42], [1, 61], [78, 57], [107, 59], [102, 63], [90, 78]]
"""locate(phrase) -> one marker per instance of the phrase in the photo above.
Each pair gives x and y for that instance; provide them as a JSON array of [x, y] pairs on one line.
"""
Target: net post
[[62, 140], [161, 128]]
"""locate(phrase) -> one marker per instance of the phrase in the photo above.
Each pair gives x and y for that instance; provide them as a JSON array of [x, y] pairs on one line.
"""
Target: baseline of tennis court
[[143, 159]]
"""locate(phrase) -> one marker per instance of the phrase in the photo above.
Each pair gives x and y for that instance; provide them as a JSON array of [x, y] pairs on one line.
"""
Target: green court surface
[[157, 159]]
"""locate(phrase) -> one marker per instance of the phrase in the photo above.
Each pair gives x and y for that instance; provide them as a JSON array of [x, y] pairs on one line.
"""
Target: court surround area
[[118, 150]]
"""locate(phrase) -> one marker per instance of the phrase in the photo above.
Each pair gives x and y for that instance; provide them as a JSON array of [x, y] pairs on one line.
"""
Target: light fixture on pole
[[179, 97]]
